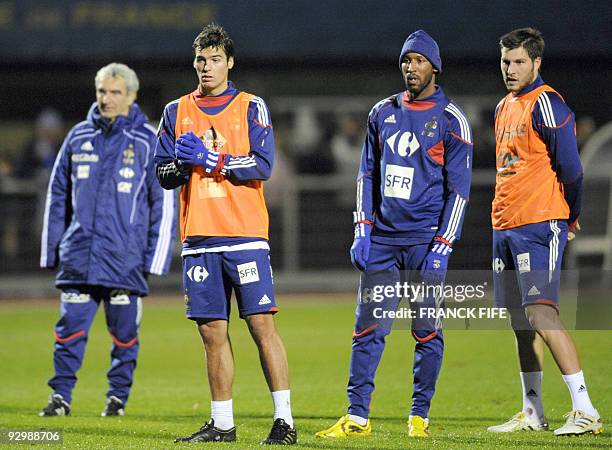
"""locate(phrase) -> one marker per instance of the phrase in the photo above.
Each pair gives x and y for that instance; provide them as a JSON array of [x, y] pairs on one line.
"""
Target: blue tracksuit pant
[[388, 265], [78, 309]]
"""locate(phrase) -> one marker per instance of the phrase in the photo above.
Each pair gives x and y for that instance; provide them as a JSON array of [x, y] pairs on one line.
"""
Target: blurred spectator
[[5, 168], [37, 158], [585, 127], [282, 173], [307, 143], [275, 190], [484, 139], [9, 222], [35, 163], [346, 147]]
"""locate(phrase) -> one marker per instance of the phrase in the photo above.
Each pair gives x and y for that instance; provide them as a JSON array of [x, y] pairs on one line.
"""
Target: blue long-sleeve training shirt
[[415, 172]]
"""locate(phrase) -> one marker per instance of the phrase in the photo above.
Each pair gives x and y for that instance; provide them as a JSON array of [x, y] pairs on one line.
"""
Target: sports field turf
[[478, 386]]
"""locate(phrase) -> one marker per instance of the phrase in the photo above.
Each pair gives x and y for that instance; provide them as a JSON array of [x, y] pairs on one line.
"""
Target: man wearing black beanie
[[412, 191]]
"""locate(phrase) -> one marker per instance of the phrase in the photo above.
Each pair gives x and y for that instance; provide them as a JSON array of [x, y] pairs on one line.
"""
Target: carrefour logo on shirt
[[127, 172], [398, 181], [407, 143]]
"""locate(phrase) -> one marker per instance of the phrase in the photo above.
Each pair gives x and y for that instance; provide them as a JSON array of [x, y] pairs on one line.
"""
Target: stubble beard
[[416, 91]]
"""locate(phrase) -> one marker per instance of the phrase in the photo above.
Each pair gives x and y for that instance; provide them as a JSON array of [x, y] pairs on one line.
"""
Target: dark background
[[298, 49]]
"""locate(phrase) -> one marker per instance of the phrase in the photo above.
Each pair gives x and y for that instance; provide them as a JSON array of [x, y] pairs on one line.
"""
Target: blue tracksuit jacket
[[107, 221], [416, 166]]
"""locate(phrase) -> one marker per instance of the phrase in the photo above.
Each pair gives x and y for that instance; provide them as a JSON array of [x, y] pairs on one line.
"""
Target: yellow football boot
[[418, 427], [344, 428]]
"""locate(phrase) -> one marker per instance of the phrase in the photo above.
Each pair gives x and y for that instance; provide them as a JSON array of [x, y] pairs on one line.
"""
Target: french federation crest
[[430, 127], [128, 155]]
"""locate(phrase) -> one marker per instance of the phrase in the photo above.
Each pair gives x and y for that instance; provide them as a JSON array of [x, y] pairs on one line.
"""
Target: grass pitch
[[479, 384]]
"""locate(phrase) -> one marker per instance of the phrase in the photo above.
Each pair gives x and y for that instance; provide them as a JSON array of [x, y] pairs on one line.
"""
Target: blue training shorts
[[388, 265], [527, 264], [209, 279]]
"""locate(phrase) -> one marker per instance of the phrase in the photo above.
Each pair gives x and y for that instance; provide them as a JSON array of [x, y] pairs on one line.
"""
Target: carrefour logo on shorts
[[197, 273], [248, 272], [398, 181], [498, 265]]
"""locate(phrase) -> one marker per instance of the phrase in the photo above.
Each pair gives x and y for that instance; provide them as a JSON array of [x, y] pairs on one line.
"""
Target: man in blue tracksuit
[[107, 225], [412, 191]]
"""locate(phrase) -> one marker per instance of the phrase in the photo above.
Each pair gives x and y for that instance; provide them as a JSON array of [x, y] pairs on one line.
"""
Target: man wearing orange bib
[[217, 143], [537, 203]]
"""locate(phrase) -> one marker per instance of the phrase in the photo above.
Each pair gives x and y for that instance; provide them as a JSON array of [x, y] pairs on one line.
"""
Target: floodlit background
[[320, 66]]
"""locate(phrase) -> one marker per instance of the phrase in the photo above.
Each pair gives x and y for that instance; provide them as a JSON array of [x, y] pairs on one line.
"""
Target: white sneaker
[[520, 422], [578, 422]]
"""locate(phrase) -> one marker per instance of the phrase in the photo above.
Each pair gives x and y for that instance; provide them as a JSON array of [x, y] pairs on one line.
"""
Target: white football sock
[[580, 395], [532, 394], [282, 406], [223, 414], [358, 419]]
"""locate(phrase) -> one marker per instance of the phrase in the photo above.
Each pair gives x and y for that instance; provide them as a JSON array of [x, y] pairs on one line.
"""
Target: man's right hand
[[573, 228], [360, 250], [190, 150]]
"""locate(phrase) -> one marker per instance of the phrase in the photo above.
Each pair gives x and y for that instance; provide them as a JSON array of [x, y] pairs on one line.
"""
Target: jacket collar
[[134, 119]]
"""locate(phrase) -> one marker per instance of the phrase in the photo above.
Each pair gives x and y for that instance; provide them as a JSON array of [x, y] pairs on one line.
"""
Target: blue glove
[[360, 250], [190, 150], [435, 264]]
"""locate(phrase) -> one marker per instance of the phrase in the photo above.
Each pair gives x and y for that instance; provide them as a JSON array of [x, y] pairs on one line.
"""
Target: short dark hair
[[528, 38], [213, 35]]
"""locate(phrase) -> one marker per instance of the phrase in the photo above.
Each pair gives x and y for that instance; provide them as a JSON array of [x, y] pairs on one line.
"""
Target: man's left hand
[[435, 264]]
